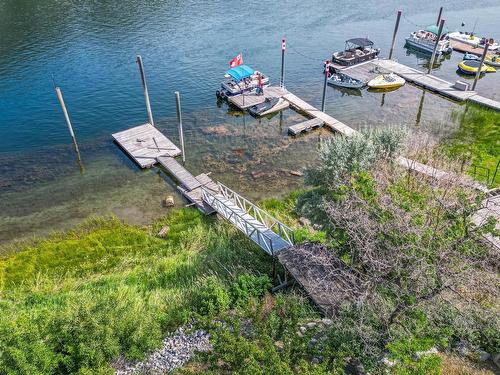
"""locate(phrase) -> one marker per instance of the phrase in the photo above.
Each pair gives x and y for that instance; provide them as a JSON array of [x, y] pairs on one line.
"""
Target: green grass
[[74, 302], [477, 140]]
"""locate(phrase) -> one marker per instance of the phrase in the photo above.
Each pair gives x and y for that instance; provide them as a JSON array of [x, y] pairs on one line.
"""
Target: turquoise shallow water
[[89, 49]]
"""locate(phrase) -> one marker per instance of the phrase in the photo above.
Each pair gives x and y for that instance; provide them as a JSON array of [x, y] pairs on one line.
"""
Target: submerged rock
[[168, 201]]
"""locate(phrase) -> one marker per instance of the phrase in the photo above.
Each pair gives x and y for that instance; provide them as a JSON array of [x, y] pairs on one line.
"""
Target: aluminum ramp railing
[[266, 231]]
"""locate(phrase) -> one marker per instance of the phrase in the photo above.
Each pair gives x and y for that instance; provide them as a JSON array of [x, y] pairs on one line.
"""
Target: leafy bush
[[212, 297], [247, 287]]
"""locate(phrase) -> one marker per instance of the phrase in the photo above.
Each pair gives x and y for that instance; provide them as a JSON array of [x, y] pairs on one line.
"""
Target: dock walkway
[[370, 69]]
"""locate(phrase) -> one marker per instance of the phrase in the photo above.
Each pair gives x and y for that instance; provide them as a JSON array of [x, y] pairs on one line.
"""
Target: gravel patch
[[176, 351]]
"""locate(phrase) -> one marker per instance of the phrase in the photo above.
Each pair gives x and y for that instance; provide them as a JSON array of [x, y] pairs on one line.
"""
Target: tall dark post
[[439, 16], [478, 73], [398, 18], [327, 71], [145, 87], [282, 77], [179, 119], [431, 64]]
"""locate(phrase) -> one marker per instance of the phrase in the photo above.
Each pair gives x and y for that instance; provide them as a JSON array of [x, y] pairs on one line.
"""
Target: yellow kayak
[[386, 81], [471, 67]]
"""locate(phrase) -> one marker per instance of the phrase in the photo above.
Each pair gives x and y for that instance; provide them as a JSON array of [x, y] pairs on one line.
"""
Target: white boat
[[386, 82], [241, 79], [343, 80], [425, 40], [472, 40]]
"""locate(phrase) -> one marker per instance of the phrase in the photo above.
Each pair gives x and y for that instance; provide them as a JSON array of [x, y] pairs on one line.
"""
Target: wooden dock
[[313, 112], [190, 186], [305, 126], [144, 144], [370, 69], [245, 101], [464, 47]]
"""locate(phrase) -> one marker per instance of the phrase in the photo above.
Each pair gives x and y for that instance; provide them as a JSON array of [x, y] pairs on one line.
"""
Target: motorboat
[[266, 106], [425, 40], [472, 40], [357, 50], [488, 60], [343, 80], [241, 79], [492, 61], [386, 81], [471, 56], [470, 67]]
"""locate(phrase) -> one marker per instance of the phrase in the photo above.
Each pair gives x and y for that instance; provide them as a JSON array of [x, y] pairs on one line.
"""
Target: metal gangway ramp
[[263, 229]]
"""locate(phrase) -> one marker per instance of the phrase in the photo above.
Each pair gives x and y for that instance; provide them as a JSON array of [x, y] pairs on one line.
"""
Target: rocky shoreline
[[176, 351]]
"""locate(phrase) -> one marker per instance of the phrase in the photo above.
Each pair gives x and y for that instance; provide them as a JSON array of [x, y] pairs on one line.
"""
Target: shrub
[[212, 297], [248, 286]]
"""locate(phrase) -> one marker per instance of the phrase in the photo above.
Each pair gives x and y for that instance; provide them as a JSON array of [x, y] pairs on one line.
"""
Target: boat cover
[[435, 29], [240, 72], [362, 42]]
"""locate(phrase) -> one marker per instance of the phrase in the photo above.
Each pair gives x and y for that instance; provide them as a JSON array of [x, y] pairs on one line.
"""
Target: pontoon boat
[[239, 80], [356, 50], [425, 40]]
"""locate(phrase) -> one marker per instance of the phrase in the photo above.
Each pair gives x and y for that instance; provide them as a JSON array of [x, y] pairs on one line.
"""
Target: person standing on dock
[[260, 86]]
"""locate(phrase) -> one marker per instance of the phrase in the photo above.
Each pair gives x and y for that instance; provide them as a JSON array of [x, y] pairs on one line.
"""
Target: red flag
[[238, 60]]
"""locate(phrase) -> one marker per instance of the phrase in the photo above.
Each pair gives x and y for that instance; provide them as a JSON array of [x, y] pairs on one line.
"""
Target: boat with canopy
[[425, 40], [241, 79], [357, 50]]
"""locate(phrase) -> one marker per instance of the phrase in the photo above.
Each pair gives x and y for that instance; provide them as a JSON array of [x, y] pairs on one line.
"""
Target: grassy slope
[[477, 140], [76, 301]]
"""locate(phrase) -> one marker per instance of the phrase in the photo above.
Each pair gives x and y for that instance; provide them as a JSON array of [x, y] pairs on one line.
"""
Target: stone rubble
[[176, 351]]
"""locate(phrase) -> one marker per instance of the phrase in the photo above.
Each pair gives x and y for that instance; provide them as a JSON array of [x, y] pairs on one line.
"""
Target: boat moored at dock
[[425, 40], [344, 81], [386, 82], [470, 67], [357, 50], [241, 79], [472, 40]]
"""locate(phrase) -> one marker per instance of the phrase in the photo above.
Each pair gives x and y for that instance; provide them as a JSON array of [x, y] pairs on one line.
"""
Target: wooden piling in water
[[145, 88], [179, 120], [283, 48], [68, 122], [478, 73], [431, 64], [327, 71], [439, 16], [396, 27]]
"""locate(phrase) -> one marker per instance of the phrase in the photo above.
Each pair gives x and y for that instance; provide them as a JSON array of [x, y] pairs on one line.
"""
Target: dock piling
[[396, 27], [440, 31], [179, 119], [478, 73], [439, 16], [283, 48], [68, 122], [327, 71], [145, 87]]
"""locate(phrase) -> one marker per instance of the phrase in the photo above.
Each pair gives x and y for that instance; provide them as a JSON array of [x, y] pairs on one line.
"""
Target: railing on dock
[[266, 231], [269, 221]]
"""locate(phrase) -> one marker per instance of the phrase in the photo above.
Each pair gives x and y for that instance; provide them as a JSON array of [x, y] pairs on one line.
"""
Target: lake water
[[89, 49]]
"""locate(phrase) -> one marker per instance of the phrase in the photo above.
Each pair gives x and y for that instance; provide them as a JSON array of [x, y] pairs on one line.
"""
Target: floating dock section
[[144, 144], [370, 69]]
